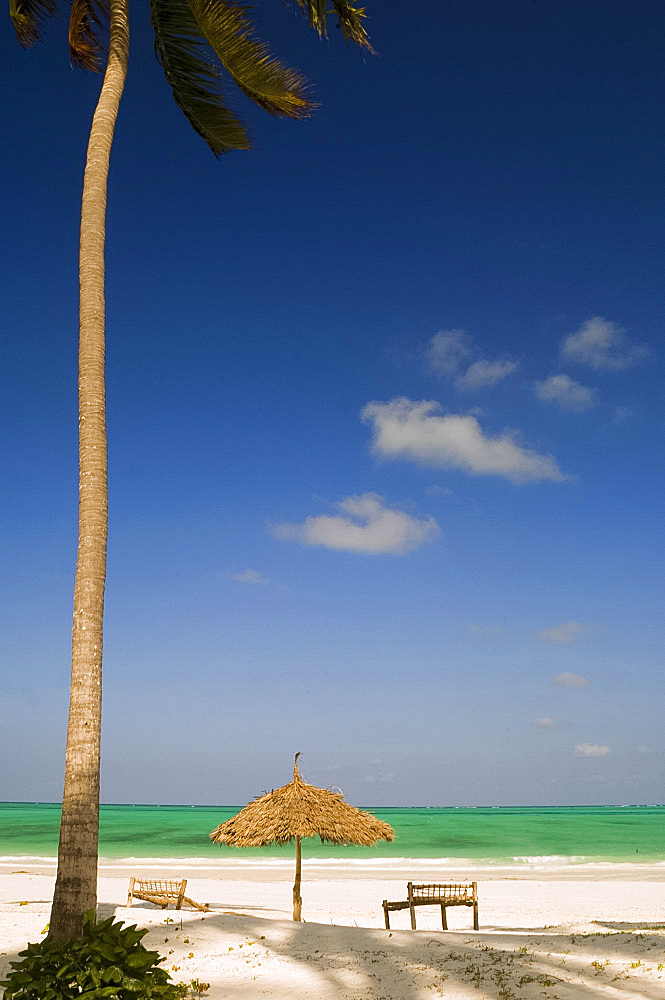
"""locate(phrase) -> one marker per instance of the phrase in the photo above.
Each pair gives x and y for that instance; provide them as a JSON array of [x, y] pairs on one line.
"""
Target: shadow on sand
[[315, 961], [623, 925], [349, 963]]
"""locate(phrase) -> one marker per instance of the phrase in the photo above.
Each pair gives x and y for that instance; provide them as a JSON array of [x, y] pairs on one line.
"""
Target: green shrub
[[108, 961]]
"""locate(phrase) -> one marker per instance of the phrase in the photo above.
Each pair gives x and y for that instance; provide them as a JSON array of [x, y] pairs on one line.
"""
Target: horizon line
[[206, 805]]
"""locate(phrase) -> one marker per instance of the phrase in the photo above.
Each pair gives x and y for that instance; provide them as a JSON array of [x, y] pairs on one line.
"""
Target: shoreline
[[321, 869]]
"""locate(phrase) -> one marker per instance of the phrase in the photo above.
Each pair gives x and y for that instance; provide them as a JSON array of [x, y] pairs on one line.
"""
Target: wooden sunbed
[[161, 892], [441, 895]]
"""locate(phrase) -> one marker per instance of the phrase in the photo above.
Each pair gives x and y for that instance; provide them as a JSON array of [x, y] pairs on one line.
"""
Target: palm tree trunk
[[76, 883]]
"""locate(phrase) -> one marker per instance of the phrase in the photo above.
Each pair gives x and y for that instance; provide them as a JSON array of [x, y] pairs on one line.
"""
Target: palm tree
[[194, 39]]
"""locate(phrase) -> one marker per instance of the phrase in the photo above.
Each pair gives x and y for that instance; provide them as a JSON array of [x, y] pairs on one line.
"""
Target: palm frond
[[273, 86], [27, 17], [349, 19], [317, 13], [86, 19], [185, 57]]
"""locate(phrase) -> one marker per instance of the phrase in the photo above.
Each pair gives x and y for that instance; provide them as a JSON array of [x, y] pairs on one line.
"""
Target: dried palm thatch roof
[[300, 810]]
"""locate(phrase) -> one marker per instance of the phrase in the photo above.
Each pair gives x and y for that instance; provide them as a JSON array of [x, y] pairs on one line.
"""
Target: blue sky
[[385, 417]]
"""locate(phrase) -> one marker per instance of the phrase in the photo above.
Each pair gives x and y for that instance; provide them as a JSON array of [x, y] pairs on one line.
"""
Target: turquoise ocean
[[513, 836]]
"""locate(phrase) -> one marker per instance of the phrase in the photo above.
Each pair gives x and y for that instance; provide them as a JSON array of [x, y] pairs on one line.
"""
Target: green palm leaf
[[27, 17], [267, 82], [86, 18], [349, 19], [186, 60]]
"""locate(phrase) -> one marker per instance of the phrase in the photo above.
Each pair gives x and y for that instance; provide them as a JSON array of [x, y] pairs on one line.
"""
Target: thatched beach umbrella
[[300, 810]]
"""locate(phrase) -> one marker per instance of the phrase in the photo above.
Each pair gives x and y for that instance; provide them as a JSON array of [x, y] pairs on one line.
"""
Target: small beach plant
[[108, 961], [199, 988]]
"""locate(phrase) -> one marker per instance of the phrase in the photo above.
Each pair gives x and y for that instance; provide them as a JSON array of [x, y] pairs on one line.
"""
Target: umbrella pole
[[297, 899]]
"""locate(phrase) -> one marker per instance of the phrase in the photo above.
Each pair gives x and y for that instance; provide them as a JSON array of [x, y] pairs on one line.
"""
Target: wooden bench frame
[[457, 894], [161, 892]]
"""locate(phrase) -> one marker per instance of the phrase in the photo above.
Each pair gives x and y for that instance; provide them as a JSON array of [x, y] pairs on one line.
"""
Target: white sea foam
[[32, 859], [549, 859], [517, 863]]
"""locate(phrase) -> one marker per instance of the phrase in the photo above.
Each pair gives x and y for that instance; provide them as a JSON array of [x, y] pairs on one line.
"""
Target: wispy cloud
[[365, 525], [571, 680], [545, 722], [565, 392], [623, 414], [563, 635], [436, 490], [251, 576], [483, 373], [447, 351], [449, 356], [412, 430], [603, 345], [379, 776], [591, 750]]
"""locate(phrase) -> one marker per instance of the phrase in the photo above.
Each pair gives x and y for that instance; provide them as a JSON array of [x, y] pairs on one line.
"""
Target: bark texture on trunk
[[76, 883]]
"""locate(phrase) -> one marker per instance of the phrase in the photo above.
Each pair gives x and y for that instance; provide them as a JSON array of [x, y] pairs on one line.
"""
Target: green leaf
[[105, 927], [27, 17], [112, 975], [350, 21], [140, 959], [131, 936], [276, 88], [105, 991], [130, 929], [132, 985], [22, 978], [188, 67], [105, 950]]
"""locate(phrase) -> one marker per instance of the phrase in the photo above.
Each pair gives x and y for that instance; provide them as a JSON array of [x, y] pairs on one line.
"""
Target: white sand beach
[[562, 933]]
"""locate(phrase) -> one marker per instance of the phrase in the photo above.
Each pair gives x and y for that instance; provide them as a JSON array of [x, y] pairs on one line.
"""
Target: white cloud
[[571, 680], [623, 414], [411, 430], [436, 490], [366, 526], [483, 373], [565, 392], [563, 635], [381, 776], [545, 721], [591, 750], [447, 350], [603, 345], [644, 749], [250, 576]]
